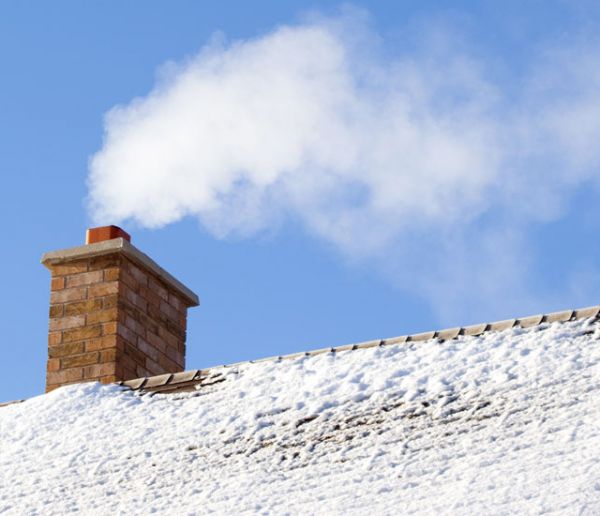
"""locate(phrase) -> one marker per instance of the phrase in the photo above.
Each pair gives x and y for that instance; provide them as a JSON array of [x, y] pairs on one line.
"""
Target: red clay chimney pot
[[102, 233]]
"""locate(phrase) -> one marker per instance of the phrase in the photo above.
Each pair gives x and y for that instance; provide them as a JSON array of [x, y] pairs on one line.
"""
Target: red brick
[[57, 283], [171, 312], [104, 262], [108, 355], [110, 328], [56, 311], [63, 350], [66, 375], [110, 379], [141, 372], [135, 354], [129, 374], [127, 334], [70, 268], [85, 278], [102, 316], [66, 295], [156, 341], [175, 329], [133, 298], [140, 277], [155, 368], [54, 338], [129, 280], [83, 307], [157, 315], [147, 349], [118, 369], [87, 332], [176, 302], [128, 362], [79, 360], [135, 326], [175, 355], [144, 322], [111, 301], [52, 365], [108, 341], [168, 365], [98, 370], [130, 322], [111, 274], [103, 289], [121, 342], [168, 337], [151, 297], [155, 286], [65, 323]]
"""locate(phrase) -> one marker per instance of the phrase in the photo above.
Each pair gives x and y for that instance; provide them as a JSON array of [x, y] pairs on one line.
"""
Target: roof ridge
[[166, 382]]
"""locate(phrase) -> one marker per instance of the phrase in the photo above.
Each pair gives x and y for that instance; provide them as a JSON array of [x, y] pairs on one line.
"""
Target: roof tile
[[563, 316], [501, 325], [185, 376], [473, 330], [157, 381], [449, 334], [528, 322], [584, 313]]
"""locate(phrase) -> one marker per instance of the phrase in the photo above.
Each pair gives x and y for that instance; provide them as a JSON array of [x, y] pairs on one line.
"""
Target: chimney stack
[[114, 313]]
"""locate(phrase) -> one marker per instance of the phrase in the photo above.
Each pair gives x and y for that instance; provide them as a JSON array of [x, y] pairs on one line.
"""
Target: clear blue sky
[[295, 283]]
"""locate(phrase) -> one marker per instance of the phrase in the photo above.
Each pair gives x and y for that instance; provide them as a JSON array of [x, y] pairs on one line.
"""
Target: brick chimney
[[114, 313]]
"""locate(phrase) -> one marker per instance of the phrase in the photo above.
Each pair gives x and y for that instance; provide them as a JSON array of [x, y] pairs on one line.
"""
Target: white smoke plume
[[418, 163]]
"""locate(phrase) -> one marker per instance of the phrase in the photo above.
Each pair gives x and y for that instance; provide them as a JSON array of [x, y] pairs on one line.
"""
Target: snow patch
[[502, 423]]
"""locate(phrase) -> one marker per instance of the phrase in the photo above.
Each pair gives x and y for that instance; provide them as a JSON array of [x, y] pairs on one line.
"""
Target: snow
[[507, 422]]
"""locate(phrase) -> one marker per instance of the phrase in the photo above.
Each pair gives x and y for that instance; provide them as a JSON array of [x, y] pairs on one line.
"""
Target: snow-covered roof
[[503, 422]]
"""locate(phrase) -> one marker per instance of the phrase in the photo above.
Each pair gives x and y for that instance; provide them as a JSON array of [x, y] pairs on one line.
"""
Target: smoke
[[419, 164]]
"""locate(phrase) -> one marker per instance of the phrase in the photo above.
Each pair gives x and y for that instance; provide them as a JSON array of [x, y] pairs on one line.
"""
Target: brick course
[[112, 319]]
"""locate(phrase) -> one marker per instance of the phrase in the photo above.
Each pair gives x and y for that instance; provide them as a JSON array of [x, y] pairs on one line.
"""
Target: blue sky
[[416, 166]]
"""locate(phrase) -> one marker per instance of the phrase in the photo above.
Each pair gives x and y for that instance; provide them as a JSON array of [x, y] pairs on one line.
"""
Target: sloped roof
[[502, 422], [196, 378]]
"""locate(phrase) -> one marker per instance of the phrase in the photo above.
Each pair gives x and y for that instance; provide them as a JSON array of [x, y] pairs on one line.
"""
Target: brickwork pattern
[[111, 320]]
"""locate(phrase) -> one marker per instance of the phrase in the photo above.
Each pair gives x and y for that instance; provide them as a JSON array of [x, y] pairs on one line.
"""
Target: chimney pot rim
[[102, 233]]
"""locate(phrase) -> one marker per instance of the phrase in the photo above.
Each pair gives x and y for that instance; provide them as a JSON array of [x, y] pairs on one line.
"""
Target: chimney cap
[[119, 245], [102, 233]]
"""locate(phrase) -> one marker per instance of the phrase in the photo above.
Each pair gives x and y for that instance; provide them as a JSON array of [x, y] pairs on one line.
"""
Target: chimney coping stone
[[119, 245]]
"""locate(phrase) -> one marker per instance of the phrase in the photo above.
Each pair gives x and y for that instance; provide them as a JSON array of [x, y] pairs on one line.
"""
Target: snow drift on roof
[[506, 422]]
